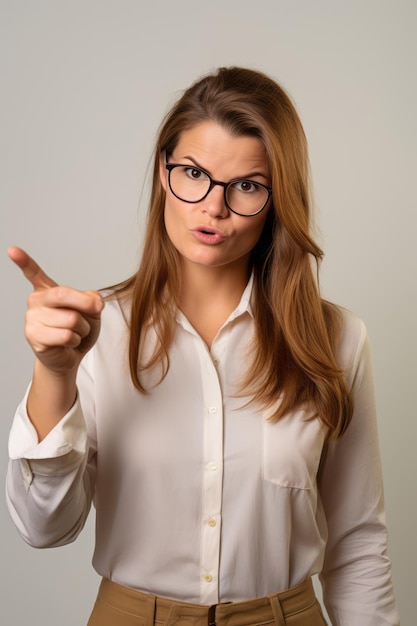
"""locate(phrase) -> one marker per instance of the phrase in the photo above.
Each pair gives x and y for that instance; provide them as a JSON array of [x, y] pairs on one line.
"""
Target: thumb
[[30, 269]]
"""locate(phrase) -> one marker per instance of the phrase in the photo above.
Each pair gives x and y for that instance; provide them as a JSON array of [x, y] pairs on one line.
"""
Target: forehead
[[220, 152]]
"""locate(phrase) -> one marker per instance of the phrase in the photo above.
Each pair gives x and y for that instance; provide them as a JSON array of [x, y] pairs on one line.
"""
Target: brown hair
[[296, 331]]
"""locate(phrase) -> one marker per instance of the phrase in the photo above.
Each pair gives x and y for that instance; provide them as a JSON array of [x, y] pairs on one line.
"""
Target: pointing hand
[[62, 324]]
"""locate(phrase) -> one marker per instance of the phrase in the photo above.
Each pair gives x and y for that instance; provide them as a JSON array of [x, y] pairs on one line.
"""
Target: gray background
[[84, 86]]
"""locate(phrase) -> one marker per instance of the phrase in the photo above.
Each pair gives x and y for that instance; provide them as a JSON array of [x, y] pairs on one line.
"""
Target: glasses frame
[[214, 183]]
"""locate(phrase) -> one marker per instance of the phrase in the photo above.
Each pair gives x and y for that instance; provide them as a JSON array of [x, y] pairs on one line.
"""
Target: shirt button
[[208, 578], [212, 410], [212, 465], [211, 522], [27, 472], [216, 361]]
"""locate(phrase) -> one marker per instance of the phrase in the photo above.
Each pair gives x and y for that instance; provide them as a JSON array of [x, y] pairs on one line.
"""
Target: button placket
[[212, 483]]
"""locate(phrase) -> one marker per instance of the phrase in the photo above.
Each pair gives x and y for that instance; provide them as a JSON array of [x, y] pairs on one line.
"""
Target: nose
[[214, 203]]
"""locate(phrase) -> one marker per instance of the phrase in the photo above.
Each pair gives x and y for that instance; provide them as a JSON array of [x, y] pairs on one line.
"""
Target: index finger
[[30, 269]]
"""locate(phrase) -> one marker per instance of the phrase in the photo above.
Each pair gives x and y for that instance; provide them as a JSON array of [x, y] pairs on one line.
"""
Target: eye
[[194, 173], [246, 186]]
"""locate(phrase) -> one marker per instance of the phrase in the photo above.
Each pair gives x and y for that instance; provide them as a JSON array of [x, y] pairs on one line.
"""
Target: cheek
[[172, 221], [255, 232], [247, 240]]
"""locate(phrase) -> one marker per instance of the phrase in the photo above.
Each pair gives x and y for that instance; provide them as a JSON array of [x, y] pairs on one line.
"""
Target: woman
[[224, 421]]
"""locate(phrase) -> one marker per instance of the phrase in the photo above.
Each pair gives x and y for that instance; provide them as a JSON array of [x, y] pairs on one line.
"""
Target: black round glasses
[[192, 184]]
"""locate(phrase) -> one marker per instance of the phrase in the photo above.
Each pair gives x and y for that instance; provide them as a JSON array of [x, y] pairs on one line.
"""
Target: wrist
[[51, 396]]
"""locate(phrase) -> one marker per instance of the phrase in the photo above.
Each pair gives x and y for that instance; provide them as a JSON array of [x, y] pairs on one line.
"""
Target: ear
[[163, 171]]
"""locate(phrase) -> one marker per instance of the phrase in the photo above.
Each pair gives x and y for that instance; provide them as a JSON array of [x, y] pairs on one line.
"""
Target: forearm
[[51, 396]]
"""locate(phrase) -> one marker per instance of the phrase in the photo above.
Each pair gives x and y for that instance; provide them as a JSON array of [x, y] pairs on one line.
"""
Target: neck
[[210, 294]]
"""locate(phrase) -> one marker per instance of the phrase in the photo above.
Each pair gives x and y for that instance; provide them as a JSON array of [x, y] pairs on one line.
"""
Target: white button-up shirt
[[198, 496]]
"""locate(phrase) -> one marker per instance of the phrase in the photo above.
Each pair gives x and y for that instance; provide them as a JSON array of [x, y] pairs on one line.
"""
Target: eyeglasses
[[192, 184]]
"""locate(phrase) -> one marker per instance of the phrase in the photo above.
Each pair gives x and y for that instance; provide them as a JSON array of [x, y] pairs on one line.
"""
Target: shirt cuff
[[69, 435]]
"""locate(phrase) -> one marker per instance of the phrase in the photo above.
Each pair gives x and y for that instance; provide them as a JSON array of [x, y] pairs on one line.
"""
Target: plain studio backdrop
[[84, 87]]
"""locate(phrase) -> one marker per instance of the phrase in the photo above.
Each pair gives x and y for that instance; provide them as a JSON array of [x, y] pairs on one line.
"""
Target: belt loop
[[150, 610], [277, 610], [211, 615]]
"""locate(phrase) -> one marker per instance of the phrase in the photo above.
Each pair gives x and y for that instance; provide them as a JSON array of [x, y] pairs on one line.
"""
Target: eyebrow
[[248, 176]]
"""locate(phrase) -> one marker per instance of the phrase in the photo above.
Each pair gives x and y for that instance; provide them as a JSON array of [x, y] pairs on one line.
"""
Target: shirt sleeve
[[356, 576], [50, 484]]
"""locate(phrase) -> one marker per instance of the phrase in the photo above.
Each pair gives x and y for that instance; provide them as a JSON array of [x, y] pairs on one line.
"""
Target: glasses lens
[[189, 183], [246, 197]]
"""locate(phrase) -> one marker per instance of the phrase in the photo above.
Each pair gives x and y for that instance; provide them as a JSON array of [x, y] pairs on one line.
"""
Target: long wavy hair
[[293, 359]]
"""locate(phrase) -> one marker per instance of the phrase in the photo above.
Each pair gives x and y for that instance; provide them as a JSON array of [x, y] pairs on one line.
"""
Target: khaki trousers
[[121, 606]]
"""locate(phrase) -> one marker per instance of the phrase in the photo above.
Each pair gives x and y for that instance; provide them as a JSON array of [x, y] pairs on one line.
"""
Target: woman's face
[[207, 233]]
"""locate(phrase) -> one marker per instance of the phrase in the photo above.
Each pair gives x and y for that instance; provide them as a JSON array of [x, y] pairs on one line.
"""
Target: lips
[[208, 235]]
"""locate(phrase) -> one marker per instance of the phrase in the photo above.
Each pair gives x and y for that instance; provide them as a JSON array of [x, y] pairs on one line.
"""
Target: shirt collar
[[245, 304]]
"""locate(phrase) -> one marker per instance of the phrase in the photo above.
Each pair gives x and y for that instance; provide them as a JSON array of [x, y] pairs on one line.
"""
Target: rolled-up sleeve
[[50, 484]]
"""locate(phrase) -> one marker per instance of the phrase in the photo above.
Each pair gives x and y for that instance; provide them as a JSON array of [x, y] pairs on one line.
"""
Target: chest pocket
[[292, 449]]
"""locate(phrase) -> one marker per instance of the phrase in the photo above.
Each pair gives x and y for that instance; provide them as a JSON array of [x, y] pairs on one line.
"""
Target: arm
[[356, 575], [51, 474]]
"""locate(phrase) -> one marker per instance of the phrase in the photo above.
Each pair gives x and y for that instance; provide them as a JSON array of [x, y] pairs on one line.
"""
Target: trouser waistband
[[276, 607]]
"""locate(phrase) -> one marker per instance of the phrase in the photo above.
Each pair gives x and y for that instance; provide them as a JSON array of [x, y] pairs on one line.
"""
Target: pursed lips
[[208, 234]]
